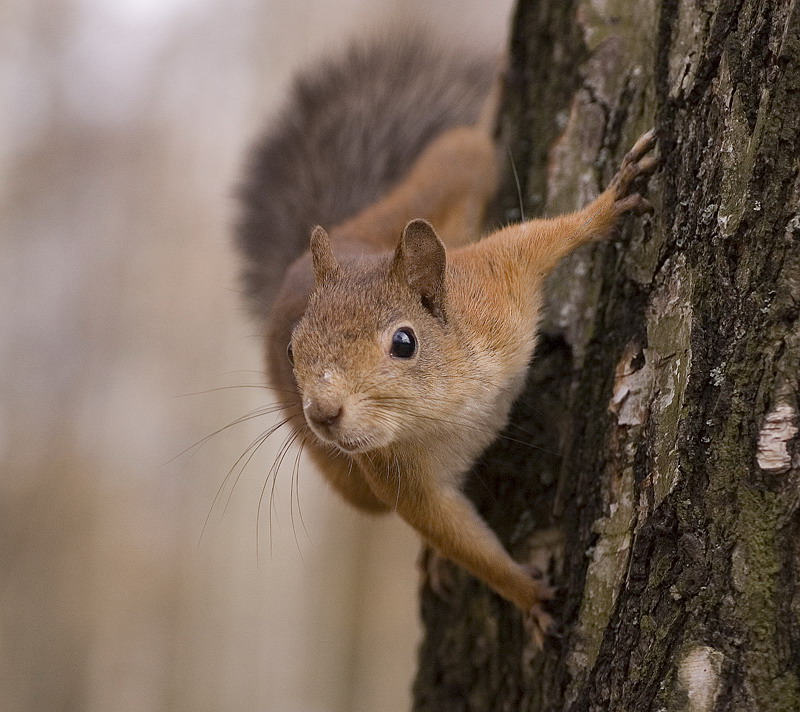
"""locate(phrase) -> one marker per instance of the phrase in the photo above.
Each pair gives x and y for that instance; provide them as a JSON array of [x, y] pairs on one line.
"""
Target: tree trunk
[[653, 463]]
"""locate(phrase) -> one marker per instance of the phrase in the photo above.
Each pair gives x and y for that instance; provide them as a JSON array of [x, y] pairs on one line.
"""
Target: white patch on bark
[[669, 327], [778, 429], [633, 388], [698, 678]]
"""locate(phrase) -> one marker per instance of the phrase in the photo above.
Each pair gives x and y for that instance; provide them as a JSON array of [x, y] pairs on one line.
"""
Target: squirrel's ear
[[325, 264], [420, 259]]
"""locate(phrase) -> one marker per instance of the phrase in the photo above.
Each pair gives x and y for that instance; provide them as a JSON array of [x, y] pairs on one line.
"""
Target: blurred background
[[123, 126]]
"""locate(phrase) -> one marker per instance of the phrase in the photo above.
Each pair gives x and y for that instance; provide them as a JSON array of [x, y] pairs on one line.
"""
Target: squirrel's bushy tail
[[351, 128]]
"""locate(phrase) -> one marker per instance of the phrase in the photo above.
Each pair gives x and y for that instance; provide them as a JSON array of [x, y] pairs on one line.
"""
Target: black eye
[[290, 353], [404, 343]]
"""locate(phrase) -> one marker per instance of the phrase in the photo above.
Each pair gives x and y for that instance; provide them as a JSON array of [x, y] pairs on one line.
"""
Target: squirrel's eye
[[290, 353], [404, 343]]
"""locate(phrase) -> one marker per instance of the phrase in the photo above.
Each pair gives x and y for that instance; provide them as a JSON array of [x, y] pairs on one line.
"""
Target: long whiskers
[[397, 467], [252, 448], [273, 474], [516, 180], [446, 401], [242, 385], [413, 408], [295, 487], [258, 443], [255, 413]]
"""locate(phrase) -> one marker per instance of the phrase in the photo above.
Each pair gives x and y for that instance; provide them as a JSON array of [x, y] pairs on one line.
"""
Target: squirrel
[[398, 338]]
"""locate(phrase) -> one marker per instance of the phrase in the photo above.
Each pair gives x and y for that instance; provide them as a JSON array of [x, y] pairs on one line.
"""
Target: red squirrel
[[400, 339]]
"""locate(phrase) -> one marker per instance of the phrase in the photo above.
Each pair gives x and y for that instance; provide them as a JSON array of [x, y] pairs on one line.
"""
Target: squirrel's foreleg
[[447, 519], [557, 237], [535, 247]]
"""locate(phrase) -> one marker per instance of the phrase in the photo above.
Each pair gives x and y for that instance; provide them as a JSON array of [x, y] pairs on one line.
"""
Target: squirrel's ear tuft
[[420, 260], [325, 265]]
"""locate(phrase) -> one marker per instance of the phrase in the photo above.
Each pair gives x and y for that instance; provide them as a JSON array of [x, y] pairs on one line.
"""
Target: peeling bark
[[659, 482]]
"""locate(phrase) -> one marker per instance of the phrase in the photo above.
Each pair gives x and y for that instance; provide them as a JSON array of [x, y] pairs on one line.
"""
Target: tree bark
[[653, 464]]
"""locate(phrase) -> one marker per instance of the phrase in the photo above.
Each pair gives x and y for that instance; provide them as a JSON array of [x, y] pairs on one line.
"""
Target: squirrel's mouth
[[353, 446], [348, 445], [346, 430]]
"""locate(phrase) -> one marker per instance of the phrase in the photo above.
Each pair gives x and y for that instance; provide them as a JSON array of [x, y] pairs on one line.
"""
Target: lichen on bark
[[666, 377]]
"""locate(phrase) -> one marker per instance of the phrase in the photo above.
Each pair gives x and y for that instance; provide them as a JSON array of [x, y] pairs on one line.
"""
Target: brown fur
[[401, 433]]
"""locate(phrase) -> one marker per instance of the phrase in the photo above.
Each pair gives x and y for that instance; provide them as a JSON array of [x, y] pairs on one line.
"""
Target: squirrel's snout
[[339, 421], [323, 414]]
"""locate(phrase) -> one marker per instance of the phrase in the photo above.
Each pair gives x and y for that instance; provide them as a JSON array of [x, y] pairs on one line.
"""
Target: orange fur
[[406, 431]]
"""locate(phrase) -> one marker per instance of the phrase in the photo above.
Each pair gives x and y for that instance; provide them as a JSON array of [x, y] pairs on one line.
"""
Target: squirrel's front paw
[[635, 164], [538, 622]]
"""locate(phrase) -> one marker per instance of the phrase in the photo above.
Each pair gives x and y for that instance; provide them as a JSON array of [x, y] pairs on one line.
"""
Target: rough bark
[[658, 477]]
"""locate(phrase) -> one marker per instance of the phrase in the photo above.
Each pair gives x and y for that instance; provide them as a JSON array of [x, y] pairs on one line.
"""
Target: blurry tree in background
[[123, 131], [662, 483]]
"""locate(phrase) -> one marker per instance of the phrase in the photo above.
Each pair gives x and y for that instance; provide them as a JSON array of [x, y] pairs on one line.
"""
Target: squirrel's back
[[350, 130]]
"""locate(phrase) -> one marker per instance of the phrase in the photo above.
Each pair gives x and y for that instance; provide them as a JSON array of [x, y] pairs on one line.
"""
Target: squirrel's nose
[[324, 413]]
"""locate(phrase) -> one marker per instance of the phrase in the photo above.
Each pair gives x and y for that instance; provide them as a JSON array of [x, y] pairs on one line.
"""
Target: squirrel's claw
[[635, 164], [636, 203], [644, 144], [538, 622], [539, 625]]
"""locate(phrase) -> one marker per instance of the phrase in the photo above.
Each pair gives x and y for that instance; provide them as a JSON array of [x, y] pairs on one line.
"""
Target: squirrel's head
[[369, 346]]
